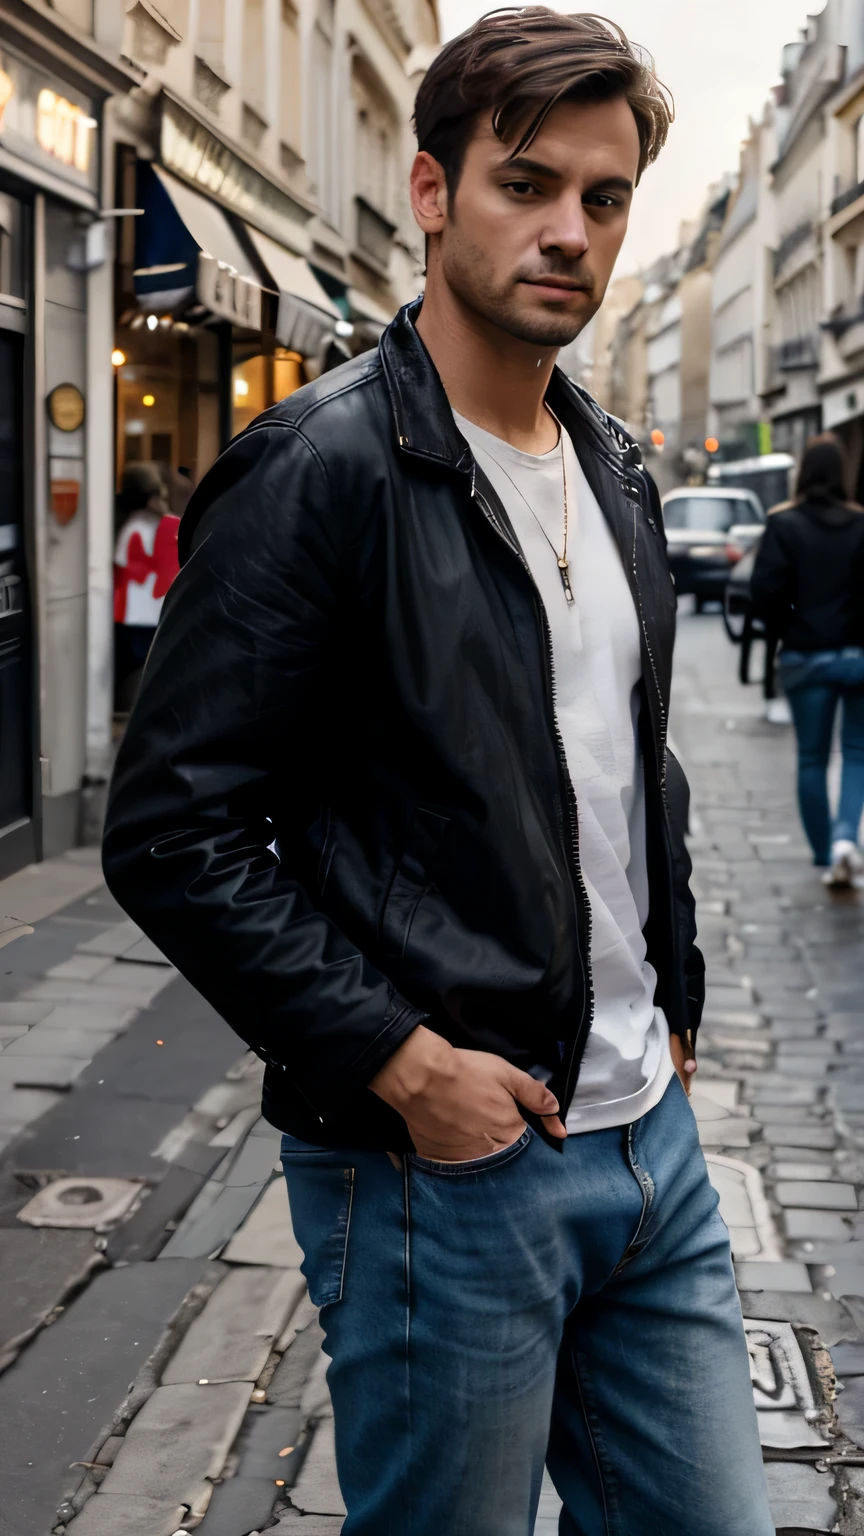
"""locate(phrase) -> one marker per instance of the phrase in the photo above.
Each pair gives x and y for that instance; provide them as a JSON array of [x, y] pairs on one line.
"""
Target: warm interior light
[[148, 399], [711, 445], [152, 322], [658, 438], [118, 358], [241, 388]]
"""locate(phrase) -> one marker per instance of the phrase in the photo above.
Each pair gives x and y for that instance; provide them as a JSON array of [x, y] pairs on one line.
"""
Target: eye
[[521, 188], [602, 200]]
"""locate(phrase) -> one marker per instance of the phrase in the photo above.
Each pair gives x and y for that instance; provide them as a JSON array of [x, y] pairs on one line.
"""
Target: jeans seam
[[349, 1180], [605, 1474], [646, 1184]]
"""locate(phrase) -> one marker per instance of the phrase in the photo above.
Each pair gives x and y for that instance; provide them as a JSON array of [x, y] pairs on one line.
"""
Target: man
[[397, 798]]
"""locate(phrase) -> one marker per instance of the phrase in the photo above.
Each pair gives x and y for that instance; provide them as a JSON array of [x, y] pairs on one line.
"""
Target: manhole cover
[[86, 1203]]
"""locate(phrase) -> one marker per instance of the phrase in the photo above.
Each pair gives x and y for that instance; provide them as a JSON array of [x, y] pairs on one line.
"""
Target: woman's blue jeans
[[815, 684], [572, 1308]]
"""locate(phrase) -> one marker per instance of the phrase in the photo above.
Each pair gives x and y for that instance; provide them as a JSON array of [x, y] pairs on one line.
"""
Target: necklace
[[561, 560]]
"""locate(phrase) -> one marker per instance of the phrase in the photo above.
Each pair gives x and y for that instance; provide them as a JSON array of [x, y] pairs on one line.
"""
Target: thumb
[[535, 1096]]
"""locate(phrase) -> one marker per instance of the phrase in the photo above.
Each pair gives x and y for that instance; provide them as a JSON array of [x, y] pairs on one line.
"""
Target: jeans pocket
[[320, 1194], [474, 1164]]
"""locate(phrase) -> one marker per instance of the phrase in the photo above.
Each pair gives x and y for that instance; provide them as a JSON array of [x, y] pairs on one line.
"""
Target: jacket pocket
[[321, 1195], [411, 881]]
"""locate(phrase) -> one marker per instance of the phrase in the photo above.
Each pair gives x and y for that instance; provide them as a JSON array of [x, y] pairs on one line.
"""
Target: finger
[[535, 1096], [554, 1126]]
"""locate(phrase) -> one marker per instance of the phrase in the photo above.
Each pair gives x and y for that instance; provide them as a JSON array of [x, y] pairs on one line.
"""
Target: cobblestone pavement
[[162, 1368]]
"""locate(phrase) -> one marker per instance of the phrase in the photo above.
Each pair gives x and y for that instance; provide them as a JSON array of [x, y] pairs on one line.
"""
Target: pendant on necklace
[[564, 568]]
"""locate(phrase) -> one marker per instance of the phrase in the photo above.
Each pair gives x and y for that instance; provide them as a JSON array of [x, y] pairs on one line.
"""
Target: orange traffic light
[[658, 438], [711, 445]]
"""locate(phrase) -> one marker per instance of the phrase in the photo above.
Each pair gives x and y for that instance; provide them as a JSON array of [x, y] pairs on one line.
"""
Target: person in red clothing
[[145, 564]]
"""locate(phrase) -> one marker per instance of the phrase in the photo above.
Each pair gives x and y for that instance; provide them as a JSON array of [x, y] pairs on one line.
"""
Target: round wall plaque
[[66, 407]]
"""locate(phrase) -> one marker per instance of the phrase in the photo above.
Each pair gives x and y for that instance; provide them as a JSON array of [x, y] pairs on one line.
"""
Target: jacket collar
[[423, 416]]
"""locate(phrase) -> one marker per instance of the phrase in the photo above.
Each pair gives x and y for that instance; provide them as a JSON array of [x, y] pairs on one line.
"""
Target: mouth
[[557, 288]]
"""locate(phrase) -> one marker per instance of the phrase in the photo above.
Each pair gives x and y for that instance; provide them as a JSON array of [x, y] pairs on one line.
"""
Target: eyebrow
[[537, 168]]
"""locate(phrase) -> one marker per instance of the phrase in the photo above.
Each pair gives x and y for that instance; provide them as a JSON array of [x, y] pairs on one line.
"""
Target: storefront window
[[11, 247], [259, 381], [167, 399]]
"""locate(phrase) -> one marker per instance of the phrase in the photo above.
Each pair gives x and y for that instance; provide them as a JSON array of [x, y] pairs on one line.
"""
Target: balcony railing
[[374, 235], [791, 242], [844, 199], [803, 352]]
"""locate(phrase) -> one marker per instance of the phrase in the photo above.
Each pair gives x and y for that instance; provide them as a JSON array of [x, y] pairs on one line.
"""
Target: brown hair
[[824, 471], [518, 63]]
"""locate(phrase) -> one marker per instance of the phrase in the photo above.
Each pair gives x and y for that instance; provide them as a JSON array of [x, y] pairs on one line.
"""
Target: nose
[[565, 229]]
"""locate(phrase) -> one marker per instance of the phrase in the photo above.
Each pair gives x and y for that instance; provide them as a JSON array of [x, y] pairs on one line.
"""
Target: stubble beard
[[467, 270]]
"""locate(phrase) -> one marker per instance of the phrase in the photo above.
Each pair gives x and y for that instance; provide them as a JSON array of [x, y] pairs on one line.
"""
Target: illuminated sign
[[47, 122], [7, 90], [64, 130]]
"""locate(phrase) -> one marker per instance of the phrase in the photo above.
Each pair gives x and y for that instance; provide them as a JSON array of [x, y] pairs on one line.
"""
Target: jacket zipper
[[569, 798]]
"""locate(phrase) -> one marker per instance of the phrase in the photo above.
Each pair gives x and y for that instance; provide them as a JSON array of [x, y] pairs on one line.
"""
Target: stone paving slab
[[775, 1275], [235, 1333], [91, 1131], [66, 1386], [145, 1233], [790, 1134], [800, 1497], [197, 1048], [316, 1491], [816, 1196], [43, 1071], [238, 1506], [827, 1225], [73, 1017], [37, 1268], [211, 1221], [293, 1524], [113, 941], [81, 1044], [107, 1514], [266, 1236], [78, 968], [39, 890], [179, 1441]]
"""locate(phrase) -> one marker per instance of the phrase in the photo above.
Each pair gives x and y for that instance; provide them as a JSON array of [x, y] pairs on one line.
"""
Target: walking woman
[[808, 585]]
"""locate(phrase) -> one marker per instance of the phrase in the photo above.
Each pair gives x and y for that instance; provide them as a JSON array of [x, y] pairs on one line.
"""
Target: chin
[[544, 330]]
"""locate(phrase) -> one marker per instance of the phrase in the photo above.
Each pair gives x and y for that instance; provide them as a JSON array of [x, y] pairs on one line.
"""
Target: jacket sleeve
[[771, 585], [227, 701], [678, 804]]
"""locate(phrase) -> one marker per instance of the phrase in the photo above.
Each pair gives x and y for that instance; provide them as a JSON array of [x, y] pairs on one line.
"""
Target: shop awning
[[369, 310], [307, 316], [186, 247]]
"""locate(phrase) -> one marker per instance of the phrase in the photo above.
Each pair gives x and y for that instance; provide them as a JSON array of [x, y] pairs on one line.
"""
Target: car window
[[707, 514]]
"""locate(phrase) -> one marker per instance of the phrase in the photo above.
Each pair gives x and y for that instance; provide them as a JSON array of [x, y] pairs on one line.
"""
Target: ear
[[428, 194]]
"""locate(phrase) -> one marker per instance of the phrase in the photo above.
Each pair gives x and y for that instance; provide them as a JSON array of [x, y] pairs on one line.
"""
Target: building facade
[[203, 204], [741, 300]]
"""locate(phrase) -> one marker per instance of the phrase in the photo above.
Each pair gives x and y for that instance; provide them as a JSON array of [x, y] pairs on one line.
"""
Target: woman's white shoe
[[846, 863]]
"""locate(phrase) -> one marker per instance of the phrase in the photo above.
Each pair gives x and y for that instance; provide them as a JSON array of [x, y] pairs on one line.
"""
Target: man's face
[[529, 244]]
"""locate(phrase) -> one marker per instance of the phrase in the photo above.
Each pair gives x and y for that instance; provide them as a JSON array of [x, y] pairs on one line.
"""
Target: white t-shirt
[[596, 645]]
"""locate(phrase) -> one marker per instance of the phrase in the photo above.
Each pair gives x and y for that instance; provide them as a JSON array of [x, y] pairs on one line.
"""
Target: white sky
[[719, 58]]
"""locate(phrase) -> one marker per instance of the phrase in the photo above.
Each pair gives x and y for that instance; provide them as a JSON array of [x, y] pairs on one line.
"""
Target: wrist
[[420, 1060]]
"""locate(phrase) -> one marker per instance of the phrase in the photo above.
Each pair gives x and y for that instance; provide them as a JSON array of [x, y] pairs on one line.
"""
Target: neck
[[492, 378]]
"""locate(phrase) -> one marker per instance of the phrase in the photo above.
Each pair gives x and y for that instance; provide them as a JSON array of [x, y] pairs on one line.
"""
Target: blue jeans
[[815, 683], [574, 1308]]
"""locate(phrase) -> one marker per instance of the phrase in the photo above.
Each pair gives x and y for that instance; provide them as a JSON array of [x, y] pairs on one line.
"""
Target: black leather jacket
[[342, 806]]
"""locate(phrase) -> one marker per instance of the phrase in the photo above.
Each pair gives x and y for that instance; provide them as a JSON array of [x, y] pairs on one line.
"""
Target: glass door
[[15, 658]]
